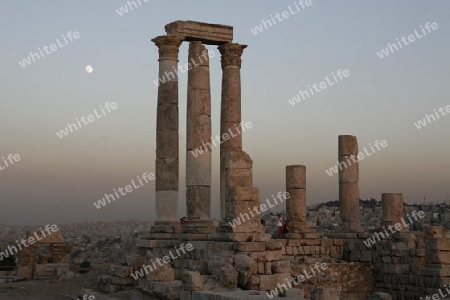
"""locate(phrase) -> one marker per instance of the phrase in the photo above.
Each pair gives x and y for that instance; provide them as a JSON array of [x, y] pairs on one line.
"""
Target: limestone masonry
[[245, 262]]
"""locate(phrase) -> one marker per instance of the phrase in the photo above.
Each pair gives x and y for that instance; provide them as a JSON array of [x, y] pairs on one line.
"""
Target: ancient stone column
[[348, 184], [167, 145], [198, 136], [392, 207], [296, 203], [230, 117]]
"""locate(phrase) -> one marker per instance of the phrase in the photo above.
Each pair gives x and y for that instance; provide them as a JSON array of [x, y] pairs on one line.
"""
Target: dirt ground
[[71, 289]]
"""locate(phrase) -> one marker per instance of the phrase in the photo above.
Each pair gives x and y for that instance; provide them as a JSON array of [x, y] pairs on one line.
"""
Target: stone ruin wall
[[34, 265], [245, 256]]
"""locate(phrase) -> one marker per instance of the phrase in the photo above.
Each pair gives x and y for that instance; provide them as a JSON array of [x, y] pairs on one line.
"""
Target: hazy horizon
[[57, 180]]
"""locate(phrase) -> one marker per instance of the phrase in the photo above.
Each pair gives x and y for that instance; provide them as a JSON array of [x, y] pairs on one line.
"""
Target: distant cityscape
[[110, 242]]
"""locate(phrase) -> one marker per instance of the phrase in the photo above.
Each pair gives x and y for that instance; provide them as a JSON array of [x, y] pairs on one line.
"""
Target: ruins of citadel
[[244, 262]]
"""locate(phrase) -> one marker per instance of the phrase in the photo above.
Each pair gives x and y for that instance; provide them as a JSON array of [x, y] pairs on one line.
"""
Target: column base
[[349, 227], [166, 227], [249, 226], [200, 226], [300, 227]]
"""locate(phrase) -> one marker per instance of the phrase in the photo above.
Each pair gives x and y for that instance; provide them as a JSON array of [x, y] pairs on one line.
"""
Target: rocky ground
[[72, 289]]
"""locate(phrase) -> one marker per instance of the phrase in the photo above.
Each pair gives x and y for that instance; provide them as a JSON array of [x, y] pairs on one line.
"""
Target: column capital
[[231, 54], [168, 45]]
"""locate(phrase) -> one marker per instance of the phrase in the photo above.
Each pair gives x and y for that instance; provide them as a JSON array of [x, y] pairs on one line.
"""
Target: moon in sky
[[89, 69]]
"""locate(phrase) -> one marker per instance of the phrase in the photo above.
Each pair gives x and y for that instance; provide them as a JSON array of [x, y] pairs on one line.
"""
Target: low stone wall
[[45, 271], [312, 247], [406, 265]]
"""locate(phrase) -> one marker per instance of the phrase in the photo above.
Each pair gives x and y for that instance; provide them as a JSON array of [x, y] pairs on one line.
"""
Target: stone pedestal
[[348, 184], [167, 145], [296, 203], [241, 198], [392, 206]]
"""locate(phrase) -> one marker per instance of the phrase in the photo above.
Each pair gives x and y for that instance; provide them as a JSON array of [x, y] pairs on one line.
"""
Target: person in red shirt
[[280, 226]]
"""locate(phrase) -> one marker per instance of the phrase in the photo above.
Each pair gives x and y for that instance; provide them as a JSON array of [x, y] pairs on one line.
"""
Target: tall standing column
[[296, 203], [230, 116], [392, 207], [348, 184], [167, 145], [198, 136]]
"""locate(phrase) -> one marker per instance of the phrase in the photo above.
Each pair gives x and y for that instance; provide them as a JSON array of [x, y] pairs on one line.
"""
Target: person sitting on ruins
[[182, 220], [286, 228], [280, 226]]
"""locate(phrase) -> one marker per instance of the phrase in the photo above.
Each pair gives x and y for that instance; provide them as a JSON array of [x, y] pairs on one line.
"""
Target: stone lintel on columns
[[211, 34]]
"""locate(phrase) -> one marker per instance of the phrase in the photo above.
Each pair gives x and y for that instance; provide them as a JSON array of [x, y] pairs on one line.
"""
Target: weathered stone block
[[435, 232], [437, 257], [249, 226], [254, 282], [274, 245], [167, 171], [231, 113], [234, 139], [198, 203], [200, 103], [212, 34], [350, 169], [199, 134], [238, 177], [322, 293], [168, 91], [250, 246], [242, 193], [198, 75], [282, 266], [167, 144], [296, 205], [273, 255], [237, 159], [295, 177], [227, 277], [392, 205], [269, 282], [347, 145], [167, 117], [192, 281]]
